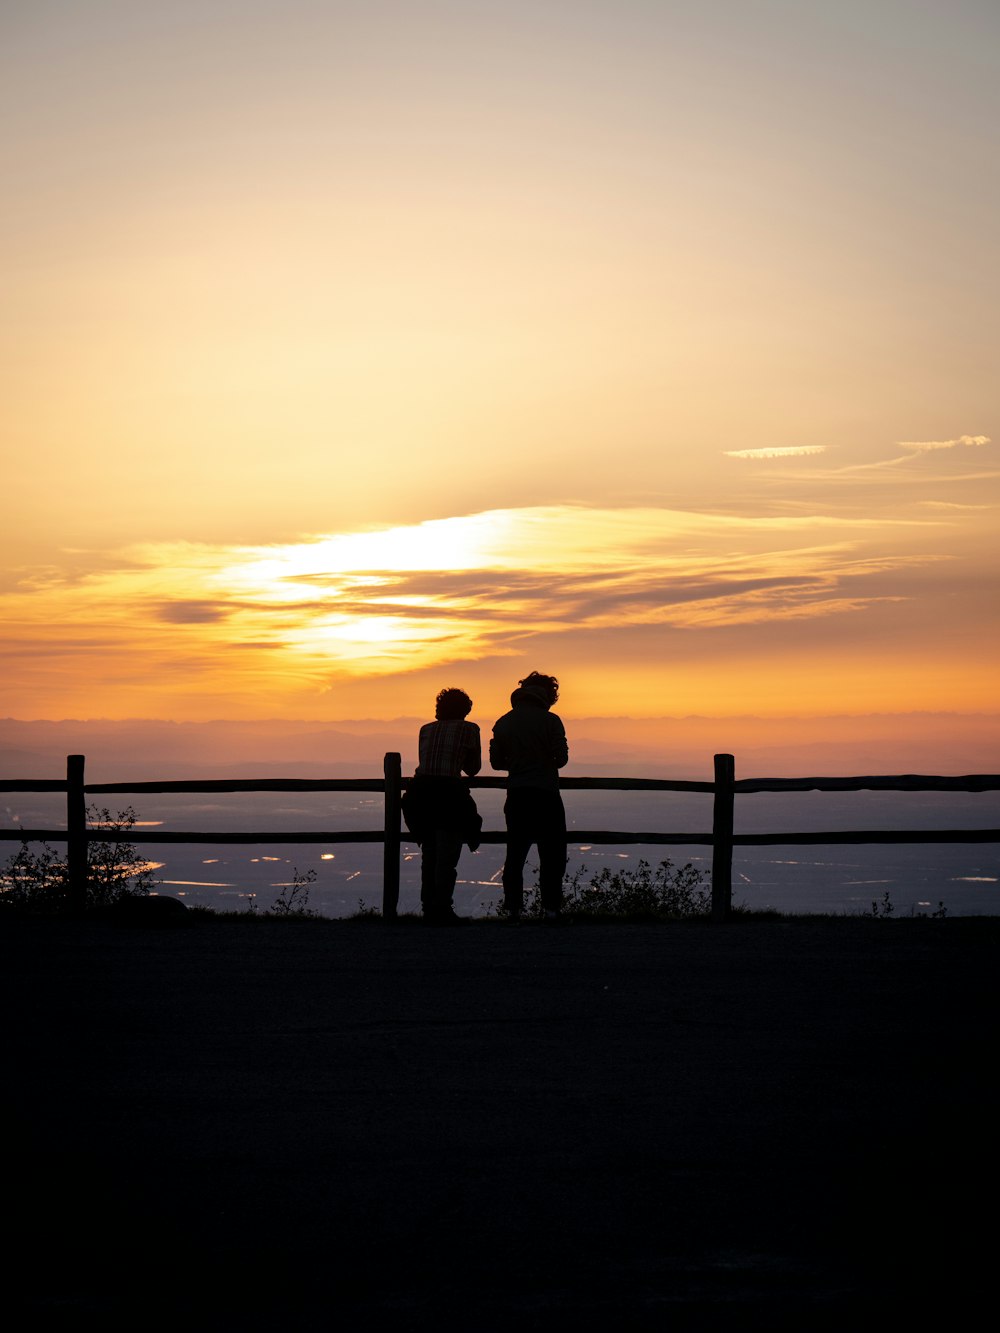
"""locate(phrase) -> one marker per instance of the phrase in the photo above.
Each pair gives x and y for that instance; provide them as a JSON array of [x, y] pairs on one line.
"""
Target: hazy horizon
[[671, 746]]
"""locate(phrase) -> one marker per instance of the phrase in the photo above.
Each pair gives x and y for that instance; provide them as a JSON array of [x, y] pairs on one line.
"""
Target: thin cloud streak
[[886, 487], [792, 451], [916, 449], [929, 446]]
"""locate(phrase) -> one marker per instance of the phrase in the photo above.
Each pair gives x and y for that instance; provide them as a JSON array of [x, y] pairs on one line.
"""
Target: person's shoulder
[[471, 726], [557, 720]]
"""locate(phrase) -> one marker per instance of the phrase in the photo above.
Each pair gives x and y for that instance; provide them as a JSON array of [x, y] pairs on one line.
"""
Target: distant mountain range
[[667, 747]]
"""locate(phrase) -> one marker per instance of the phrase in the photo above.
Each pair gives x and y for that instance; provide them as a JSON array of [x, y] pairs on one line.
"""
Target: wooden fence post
[[722, 836], [393, 768], [76, 833]]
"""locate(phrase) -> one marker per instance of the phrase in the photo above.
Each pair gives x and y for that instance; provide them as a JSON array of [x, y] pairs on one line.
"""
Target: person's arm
[[472, 752], [499, 757], [560, 747], [424, 745]]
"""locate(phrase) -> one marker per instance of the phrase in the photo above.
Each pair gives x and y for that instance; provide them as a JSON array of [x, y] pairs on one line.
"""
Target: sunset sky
[[354, 349]]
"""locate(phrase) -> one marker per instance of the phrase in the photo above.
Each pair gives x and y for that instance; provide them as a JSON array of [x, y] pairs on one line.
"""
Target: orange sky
[[353, 350]]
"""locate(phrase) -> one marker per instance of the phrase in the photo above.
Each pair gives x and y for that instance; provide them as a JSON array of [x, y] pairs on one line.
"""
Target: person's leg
[[551, 850], [428, 868], [517, 811], [448, 848]]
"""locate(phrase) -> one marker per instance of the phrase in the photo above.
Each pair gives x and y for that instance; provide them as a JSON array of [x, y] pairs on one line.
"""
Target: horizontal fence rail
[[721, 838]]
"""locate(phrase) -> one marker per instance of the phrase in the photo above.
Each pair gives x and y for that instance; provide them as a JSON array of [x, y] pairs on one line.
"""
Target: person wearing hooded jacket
[[530, 743]]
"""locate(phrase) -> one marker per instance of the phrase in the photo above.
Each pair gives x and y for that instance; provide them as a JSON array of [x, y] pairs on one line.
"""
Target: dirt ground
[[315, 1124]]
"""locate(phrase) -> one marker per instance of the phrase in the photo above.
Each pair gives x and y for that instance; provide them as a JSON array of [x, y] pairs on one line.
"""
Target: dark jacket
[[441, 803], [529, 742]]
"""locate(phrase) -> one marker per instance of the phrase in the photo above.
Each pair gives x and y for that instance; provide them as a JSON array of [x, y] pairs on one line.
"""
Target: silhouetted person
[[438, 807], [530, 743]]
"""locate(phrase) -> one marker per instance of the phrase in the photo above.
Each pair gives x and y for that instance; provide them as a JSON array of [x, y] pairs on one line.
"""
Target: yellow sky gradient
[[350, 350]]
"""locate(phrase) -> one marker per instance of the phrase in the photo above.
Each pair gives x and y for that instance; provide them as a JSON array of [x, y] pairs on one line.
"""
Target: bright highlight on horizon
[[353, 349]]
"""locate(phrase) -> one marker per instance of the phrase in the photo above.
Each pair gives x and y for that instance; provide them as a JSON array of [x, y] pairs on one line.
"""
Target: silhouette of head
[[546, 688], [452, 704]]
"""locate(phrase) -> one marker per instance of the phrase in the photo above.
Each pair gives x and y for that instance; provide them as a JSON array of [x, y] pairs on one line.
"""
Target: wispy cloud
[[916, 450], [929, 446], [475, 586], [791, 451], [167, 628], [191, 613]]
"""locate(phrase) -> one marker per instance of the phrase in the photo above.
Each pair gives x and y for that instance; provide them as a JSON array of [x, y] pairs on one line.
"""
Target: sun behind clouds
[[718, 609]]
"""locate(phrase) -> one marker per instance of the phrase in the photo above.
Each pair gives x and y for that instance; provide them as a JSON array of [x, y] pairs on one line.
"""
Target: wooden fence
[[725, 788]]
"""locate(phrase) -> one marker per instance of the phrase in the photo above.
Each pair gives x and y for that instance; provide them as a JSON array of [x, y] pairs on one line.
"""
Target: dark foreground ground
[[319, 1125]]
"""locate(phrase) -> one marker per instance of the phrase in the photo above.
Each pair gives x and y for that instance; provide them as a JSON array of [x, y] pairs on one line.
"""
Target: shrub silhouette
[[38, 880], [293, 900], [640, 892]]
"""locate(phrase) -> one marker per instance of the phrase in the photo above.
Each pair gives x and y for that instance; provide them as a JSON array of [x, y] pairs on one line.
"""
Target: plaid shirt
[[449, 748]]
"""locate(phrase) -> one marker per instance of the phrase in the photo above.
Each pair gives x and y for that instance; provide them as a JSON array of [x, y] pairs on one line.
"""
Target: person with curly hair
[[438, 806], [530, 743]]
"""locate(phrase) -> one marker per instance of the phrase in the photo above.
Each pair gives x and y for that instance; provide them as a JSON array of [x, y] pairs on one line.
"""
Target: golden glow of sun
[[299, 619], [366, 631], [321, 598], [289, 572], [412, 596]]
